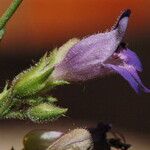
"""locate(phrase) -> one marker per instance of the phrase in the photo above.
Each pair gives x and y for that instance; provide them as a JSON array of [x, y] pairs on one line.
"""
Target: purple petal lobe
[[133, 72], [127, 76], [131, 58], [130, 74]]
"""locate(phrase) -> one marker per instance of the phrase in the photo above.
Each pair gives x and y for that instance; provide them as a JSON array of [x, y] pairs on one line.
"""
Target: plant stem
[[9, 12]]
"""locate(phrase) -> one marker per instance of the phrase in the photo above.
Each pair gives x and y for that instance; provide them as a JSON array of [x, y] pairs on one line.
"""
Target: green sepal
[[34, 101], [51, 99], [33, 80], [52, 84], [37, 100], [16, 115], [57, 83], [45, 112], [4, 92], [5, 101]]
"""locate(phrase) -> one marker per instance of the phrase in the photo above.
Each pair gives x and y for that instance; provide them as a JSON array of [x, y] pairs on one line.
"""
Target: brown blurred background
[[41, 25]]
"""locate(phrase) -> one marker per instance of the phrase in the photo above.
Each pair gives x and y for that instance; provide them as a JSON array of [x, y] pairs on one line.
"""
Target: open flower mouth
[[127, 64]]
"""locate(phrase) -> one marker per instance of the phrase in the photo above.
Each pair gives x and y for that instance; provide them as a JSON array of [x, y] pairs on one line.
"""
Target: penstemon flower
[[99, 55]]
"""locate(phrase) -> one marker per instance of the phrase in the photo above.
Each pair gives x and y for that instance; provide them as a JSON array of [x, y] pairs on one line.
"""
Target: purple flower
[[99, 55]]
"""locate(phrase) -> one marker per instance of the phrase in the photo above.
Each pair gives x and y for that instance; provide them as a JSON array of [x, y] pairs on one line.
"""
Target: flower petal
[[126, 75], [130, 74], [131, 58], [133, 72]]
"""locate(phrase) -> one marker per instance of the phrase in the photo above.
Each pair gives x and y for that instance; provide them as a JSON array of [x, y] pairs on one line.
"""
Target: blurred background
[[39, 26]]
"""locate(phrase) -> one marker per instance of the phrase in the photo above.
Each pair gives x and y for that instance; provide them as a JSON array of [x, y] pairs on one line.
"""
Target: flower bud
[[45, 112]]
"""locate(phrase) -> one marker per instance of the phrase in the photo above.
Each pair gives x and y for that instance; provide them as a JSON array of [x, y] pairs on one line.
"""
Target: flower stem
[[9, 12]]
